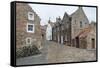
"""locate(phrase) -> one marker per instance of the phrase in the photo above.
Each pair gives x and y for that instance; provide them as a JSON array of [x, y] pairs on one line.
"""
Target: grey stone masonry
[[22, 21]]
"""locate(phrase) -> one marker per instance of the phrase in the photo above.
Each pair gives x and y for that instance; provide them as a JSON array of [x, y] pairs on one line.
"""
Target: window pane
[[80, 23], [30, 27], [31, 15]]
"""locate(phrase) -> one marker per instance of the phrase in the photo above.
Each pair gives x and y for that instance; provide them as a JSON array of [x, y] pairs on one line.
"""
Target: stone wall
[[77, 17], [91, 35], [83, 43], [22, 10]]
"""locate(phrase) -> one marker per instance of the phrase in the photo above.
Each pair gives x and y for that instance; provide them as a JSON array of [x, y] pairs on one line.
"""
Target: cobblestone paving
[[62, 53], [53, 53]]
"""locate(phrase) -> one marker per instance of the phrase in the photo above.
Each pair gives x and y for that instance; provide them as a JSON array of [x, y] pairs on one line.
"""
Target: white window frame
[[33, 28], [30, 18], [28, 38]]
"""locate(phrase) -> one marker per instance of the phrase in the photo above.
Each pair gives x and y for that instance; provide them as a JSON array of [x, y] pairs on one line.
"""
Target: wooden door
[[77, 42], [93, 43]]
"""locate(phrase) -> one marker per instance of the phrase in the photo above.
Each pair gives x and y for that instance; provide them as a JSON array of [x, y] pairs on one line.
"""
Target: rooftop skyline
[[46, 12]]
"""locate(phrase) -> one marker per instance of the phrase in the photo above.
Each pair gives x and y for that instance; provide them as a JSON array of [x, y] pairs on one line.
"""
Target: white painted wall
[[49, 32]]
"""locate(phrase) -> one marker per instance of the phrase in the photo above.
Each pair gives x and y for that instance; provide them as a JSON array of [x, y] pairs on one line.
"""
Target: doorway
[[93, 43], [73, 42], [77, 42]]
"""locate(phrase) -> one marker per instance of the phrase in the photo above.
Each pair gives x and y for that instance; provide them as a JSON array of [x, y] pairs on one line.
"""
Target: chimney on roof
[[58, 19]]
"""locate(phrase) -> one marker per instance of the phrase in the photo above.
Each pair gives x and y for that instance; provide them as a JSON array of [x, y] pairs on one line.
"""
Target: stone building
[[83, 34], [49, 31], [28, 30], [62, 30], [70, 29], [43, 31], [87, 37], [79, 22]]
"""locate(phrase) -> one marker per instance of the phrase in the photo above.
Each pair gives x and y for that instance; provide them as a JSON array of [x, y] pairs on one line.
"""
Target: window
[[30, 15], [70, 18], [85, 22], [80, 23], [75, 21], [28, 40], [30, 27], [67, 26]]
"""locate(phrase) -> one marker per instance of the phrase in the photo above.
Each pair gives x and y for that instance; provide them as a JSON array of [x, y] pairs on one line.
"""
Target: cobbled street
[[54, 53]]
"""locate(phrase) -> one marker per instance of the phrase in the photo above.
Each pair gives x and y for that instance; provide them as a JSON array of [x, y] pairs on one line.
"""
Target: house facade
[[28, 31], [49, 31], [62, 30], [79, 22], [87, 37], [43, 31], [70, 29]]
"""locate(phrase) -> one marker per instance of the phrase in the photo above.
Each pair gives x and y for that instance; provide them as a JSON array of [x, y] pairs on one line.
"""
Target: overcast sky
[[46, 12]]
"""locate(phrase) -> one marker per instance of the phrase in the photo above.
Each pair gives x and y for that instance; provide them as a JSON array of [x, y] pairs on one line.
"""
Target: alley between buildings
[[56, 53]]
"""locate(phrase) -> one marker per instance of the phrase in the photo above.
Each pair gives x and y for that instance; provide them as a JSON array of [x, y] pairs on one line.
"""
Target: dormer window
[[30, 16]]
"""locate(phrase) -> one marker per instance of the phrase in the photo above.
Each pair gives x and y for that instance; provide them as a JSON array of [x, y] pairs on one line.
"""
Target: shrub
[[27, 51]]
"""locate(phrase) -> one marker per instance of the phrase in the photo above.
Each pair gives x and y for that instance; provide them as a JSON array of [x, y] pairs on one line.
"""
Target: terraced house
[[62, 30], [69, 29], [28, 30]]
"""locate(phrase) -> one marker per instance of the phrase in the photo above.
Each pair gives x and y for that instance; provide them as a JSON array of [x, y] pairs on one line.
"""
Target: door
[[77, 42], [93, 43], [73, 42]]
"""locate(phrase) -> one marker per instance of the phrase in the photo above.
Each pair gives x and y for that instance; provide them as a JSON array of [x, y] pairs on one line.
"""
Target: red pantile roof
[[85, 32]]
